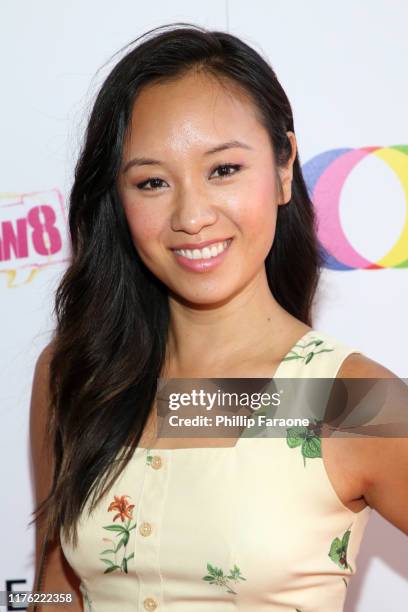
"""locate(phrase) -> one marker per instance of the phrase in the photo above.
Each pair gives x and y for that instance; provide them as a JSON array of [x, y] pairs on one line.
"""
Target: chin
[[201, 298]]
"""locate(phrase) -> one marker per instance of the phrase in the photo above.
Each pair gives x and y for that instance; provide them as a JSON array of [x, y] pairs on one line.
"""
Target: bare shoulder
[[374, 468], [44, 358], [40, 386], [40, 395], [358, 365]]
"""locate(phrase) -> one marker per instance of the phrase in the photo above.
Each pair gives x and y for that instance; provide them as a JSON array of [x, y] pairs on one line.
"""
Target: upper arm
[[381, 462], [58, 577]]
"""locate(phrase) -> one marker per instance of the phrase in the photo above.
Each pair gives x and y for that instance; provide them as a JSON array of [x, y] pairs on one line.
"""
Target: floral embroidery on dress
[[338, 551], [86, 599], [306, 437], [149, 457], [124, 512], [87, 602], [309, 356], [216, 576]]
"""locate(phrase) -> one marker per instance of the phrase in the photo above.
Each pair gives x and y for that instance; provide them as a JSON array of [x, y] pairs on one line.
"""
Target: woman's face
[[182, 185]]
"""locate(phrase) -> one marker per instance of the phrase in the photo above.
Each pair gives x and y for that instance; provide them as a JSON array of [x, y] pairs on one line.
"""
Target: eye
[[236, 167], [155, 182], [150, 180]]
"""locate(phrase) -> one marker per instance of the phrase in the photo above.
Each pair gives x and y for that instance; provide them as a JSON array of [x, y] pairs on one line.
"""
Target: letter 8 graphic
[[325, 176]]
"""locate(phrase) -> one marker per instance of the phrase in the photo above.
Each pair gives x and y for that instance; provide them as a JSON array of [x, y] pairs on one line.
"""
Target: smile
[[206, 252], [205, 259]]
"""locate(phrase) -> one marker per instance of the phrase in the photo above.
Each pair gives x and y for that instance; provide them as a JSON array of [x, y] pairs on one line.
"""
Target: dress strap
[[318, 355]]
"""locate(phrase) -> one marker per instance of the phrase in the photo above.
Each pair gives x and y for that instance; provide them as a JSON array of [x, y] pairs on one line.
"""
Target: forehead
[[195, 110]]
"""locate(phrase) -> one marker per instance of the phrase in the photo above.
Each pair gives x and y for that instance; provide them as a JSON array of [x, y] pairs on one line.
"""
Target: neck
[[202, 336]]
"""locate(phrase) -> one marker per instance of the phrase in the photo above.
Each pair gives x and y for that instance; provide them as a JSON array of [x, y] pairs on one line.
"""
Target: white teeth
[[205, 253]]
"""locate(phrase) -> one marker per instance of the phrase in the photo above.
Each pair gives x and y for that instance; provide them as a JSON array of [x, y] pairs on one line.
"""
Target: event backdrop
[[342, 65]]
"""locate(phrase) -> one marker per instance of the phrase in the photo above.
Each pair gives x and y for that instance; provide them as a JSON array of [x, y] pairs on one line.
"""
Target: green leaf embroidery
[[117, 528], [108, 550], [311, 447], [107, 561], [295, 436], [309, 356], [216, 576], [86, 598], [306, 437], [112, 569], [338, 551]]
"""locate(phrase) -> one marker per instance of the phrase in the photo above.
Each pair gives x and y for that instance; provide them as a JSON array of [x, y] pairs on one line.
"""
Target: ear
[[286, 172]]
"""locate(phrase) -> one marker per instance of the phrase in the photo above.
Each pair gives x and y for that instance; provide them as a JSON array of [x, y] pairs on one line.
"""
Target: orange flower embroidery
[[122, 506], [122, 532]]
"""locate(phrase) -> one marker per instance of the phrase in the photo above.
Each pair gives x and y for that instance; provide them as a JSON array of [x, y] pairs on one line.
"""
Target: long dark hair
[[112, 314]]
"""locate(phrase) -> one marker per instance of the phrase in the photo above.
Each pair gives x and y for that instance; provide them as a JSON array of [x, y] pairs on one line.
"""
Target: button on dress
[[257, 527]]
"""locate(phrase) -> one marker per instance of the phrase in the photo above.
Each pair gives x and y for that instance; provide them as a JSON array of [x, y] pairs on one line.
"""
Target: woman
[[194, 255]]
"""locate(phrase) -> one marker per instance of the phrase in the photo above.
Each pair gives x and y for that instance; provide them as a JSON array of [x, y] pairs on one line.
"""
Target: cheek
[[256, 216], [145, 228]]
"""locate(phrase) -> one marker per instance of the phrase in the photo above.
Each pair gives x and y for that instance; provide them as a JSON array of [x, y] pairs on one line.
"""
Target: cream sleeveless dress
[[256, 527]]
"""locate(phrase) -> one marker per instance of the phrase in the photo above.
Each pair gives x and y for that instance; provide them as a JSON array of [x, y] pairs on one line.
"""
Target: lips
[[200, 264]]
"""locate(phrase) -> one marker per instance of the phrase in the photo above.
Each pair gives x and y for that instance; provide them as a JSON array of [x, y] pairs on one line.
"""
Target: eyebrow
[[146, 161]]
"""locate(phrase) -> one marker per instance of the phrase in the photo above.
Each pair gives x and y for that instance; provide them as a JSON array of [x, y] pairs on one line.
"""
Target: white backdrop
[[343, 68]]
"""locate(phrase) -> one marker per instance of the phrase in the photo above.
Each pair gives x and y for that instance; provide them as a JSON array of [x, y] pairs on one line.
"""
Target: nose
[[192, 212]]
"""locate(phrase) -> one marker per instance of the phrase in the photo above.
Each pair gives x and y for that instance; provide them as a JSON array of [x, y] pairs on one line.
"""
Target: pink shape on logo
[[326, 199]]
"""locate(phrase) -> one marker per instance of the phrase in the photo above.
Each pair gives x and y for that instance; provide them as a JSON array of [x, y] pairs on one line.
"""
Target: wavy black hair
[[112, 314]]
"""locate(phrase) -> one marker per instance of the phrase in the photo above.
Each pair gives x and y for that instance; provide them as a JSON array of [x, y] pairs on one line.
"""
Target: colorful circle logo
[[325, 176]]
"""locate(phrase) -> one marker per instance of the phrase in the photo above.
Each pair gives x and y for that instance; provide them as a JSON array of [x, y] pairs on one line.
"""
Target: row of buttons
[[145, 530]]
